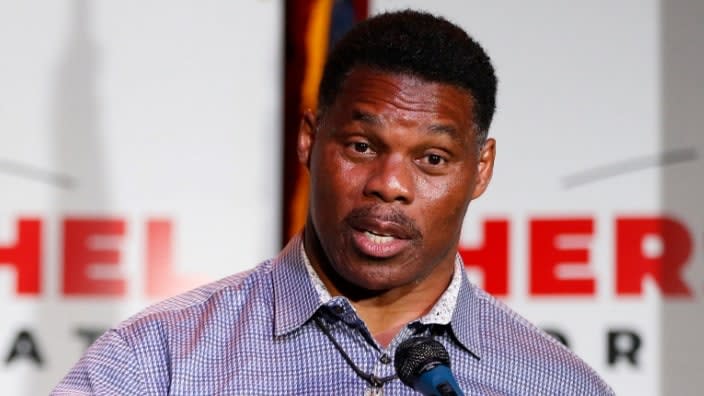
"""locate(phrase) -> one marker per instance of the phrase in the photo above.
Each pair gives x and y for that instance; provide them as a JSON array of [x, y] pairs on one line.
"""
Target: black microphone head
[[417, 355]]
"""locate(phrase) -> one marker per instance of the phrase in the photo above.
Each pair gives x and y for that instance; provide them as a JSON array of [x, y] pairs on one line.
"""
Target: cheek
[[444, 203], [336, 181]]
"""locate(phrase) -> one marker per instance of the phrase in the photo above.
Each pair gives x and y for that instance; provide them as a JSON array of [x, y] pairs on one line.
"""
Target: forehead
[[399, 97]]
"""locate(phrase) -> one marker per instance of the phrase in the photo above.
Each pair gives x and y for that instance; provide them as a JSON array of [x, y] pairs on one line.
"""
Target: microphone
[[424, 364]]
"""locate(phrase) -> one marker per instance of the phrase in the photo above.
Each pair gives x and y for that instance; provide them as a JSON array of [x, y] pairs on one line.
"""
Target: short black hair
[[418, 44]]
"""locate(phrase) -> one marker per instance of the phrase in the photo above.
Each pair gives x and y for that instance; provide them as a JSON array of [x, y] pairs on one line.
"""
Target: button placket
[[338, 310], [385, 358], [382, 365]]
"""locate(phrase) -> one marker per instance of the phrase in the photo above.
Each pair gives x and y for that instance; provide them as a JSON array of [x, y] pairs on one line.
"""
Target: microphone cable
[[371, 379]]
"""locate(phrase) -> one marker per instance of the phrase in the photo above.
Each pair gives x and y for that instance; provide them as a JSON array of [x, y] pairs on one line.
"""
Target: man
[[396, 151]]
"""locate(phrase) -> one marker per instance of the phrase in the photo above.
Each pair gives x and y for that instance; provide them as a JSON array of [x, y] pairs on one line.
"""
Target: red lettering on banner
[[546, 256], [25, 255], [80, 258], [161, 280], [491, 257], [654, 247], [633, 263]]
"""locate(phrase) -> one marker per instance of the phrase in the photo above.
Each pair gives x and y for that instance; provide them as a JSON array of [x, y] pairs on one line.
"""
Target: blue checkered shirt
[[254, 333]]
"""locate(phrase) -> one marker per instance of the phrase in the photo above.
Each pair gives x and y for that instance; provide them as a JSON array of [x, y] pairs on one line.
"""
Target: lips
[[378, 246], [381, 235]]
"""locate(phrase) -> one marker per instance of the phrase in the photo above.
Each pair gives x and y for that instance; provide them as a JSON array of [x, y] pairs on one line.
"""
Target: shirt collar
[[318, 284], [466, 323], [299, 292], [441, 312], [295, 298]]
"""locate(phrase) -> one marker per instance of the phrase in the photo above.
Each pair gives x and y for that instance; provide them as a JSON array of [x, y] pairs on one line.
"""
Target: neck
[[387, 313], [384, 312]]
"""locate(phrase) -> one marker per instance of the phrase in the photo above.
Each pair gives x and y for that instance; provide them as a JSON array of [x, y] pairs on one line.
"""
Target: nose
[[391, 180]]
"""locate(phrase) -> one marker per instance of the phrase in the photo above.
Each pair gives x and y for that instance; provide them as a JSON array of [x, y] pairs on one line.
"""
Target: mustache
[[400, 220]]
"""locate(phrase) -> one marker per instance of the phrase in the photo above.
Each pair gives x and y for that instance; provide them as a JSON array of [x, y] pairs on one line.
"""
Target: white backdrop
[[114, 114], [599, 121], [125, 123]]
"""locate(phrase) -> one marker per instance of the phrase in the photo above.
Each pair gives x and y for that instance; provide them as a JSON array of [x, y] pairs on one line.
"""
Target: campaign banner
[[139, 146], [140, 149], [592, 226]]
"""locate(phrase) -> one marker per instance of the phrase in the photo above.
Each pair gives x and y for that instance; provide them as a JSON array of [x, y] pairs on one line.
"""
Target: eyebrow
[[446, 129], [367, 118]]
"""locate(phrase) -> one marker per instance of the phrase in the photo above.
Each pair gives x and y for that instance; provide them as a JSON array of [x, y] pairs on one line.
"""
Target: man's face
[[394, 164]]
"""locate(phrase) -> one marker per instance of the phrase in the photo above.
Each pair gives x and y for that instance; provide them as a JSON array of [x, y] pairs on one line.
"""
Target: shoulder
[[136, 356], [103, 369], [538, 359], [216, 302]]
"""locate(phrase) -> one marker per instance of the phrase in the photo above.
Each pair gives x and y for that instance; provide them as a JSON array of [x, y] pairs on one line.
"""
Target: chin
[[376, 276]]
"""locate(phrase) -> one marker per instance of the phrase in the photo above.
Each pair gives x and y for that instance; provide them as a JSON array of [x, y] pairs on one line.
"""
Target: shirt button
[[338, 310], [384, 358]]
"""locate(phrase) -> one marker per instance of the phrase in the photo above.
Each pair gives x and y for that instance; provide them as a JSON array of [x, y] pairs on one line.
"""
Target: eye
[[434, 160], [361, 147]]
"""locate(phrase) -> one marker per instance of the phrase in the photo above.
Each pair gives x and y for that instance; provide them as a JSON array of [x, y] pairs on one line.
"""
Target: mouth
[[380, 239], [378, 245], [380, 233]]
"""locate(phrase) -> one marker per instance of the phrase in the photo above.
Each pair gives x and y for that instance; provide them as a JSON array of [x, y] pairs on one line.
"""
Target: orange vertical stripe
[[316, 39]]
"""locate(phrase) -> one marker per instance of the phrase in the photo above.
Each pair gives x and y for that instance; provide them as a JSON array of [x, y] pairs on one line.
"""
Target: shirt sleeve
[[109, 367]]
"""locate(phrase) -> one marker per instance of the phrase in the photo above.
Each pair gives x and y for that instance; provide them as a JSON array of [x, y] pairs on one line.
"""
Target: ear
[[485, 167], [306, 137]]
